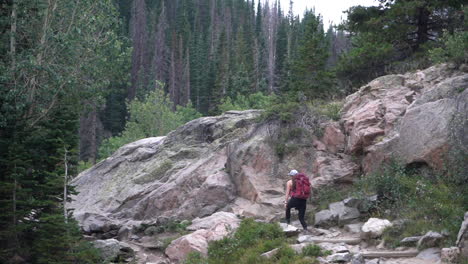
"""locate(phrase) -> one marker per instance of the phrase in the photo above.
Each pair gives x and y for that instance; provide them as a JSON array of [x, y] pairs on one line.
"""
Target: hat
[[292, 172]]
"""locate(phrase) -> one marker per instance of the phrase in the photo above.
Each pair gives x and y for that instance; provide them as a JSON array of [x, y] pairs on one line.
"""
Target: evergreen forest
[[79, 79]]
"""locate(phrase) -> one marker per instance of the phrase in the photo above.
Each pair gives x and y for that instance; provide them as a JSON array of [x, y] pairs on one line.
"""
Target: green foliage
[[327, 109], [84, 165], [281, 109], [195, 257], [309, 74], [454, 48], [365, 61], [395, 37], [326, 195], [245, 246], [313, 251], [240, 102], [428, 203], [251, 240], [153, 116]]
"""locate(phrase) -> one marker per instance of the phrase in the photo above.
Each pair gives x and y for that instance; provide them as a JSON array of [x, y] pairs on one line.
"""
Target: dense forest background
[[78, 79]]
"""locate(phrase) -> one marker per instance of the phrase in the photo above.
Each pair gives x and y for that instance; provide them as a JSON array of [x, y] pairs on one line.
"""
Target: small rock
[[450, 255], [345, 213], [270, 253], [326, 218], [381, 245], [305, 239], [322, 260], [335, 248], [357, 259], [151, 230], [339, 257], [430, 239], [410, 241], [354, 228], [352, 202], [322, 231], [374, 227], [373, 261], [289, 230], [333, 234], [432, 254]]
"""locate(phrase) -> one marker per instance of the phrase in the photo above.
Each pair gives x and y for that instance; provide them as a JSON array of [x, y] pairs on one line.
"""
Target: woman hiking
[[297, 192]]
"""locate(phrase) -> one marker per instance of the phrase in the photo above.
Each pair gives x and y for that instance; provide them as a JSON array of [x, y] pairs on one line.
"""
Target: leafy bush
[[195, 257], [314, 251], [454, 49], [150, 117], [427, 203], [247, 244], [454, 46], [331, 110]]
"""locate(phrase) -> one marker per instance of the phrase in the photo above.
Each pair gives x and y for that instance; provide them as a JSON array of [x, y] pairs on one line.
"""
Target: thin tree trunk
[[65, 182], [42, 44], [14, 17], [15, 222]]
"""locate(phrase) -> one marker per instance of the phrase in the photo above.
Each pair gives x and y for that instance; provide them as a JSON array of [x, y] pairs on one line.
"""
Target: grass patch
[[330, 110], [250, 241], [326, 195], [434, 203]]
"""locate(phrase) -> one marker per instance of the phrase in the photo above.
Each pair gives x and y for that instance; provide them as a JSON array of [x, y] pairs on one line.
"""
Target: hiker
[[297, 192]]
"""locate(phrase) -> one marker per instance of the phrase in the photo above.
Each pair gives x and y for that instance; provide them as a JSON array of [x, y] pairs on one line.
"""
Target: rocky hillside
[[230, 162]]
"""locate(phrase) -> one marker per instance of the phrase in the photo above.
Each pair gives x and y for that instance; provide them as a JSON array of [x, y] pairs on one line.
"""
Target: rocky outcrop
[[414, 117], [221, 163]]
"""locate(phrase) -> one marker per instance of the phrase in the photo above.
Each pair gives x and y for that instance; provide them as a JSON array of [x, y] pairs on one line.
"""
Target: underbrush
[[250, 241], [421, 202]]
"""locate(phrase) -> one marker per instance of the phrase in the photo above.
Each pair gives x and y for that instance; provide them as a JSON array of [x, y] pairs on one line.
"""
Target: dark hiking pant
[[299, 204]]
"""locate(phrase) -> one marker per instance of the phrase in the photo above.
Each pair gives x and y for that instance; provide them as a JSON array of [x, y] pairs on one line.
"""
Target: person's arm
[[288, 190]]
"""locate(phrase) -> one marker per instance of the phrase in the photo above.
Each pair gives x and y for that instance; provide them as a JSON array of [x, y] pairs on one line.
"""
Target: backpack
[[302, 190]]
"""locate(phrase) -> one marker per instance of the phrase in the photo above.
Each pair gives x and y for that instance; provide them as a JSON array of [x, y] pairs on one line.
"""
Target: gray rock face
[[113, 250], [462, 238], [195, 171], [345, 213], [338, 214], [326, 218]]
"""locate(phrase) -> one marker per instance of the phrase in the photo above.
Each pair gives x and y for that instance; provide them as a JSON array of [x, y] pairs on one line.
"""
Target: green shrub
[[325, 195], [241, 102], [195, 257], [312, 251], [153, 116], [282, 110], [246, 245], [427, 203], [330, 110], [84, 165], [454, 47]]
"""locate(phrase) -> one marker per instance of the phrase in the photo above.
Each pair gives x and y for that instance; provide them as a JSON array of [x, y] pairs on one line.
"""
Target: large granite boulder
[[416, 117], [211, 164]]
